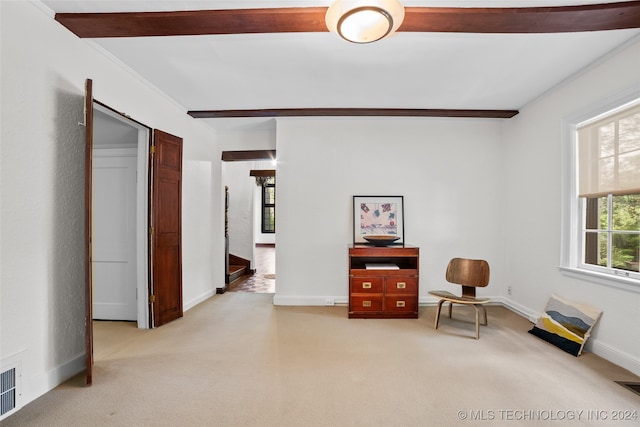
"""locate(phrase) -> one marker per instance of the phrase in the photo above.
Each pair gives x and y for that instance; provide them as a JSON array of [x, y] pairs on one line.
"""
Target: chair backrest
[[470, 273]]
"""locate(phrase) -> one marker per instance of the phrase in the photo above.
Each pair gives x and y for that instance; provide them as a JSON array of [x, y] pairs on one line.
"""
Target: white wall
[[472, 188], [259, 137], [202, 231], [448, 170], [236, 177], [533, 142], [44, 67]]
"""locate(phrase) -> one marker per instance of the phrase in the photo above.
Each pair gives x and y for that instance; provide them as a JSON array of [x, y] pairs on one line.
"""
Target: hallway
[[264, 278]]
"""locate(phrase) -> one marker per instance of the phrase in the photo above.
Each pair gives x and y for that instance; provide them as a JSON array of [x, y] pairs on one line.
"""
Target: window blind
[[609, 154]]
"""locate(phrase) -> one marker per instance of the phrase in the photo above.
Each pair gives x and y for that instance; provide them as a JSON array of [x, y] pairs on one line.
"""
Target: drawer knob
[[401, 285], [399, 303], [366, 303], [366, 285]]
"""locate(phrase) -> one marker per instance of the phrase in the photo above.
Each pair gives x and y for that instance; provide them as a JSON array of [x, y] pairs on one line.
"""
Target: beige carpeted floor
[[236, 360]]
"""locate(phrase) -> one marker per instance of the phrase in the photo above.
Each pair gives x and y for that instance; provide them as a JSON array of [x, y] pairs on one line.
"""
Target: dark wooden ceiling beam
[[264, 173], [351, 112], [194, 22], [244, 155], [513, 20], [593, 17]]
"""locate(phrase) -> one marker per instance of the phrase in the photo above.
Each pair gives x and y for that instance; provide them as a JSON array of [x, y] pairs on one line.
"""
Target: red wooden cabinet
[[383, 282]]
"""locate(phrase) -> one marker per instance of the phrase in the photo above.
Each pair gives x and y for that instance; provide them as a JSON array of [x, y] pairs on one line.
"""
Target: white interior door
[[114, 235]]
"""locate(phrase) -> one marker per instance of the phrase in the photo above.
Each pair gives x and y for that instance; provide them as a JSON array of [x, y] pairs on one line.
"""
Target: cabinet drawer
[[402, 285], [360, 285], [398, 303], [366, 303]]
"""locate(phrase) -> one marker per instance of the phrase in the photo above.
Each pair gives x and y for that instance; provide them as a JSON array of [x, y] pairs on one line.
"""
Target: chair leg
[[477, 323], [484, 311], [435, 326], [450, 309]]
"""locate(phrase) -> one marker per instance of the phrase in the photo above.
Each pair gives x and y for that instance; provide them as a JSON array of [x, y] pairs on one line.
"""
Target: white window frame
[[582, 206], [264, 205], [573, 207]]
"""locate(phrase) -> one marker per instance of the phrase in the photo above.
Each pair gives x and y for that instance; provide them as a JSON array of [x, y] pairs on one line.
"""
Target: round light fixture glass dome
[[364, 21]]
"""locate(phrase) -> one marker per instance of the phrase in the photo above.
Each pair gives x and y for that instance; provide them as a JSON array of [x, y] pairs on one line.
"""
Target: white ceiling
[[319, 70]]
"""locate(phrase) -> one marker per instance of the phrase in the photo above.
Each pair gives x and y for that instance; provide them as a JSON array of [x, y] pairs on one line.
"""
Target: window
[[269, 205], [606, 195], [611, 233]]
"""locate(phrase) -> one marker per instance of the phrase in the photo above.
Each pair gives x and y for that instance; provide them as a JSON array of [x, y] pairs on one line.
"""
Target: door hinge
[[152, 299], [152, 150], [151, 231]]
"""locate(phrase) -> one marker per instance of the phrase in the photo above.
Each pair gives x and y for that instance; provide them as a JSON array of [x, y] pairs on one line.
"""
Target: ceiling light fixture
[[364, 21]]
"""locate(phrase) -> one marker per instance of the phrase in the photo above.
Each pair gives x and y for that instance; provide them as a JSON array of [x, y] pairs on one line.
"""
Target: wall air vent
[[10, 385], [7, 391]]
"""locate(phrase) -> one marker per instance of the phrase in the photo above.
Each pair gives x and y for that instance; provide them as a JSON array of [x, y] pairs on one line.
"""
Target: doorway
[[120, 212], [158, 200], [245, 232]]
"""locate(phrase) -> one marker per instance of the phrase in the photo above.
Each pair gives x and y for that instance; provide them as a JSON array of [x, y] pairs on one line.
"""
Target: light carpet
[[237, 360]]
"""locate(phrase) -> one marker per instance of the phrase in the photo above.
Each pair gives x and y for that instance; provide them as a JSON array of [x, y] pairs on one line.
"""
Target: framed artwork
[[378, 216]]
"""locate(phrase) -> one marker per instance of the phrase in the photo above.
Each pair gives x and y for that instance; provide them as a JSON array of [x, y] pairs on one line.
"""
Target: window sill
[[624, 283]]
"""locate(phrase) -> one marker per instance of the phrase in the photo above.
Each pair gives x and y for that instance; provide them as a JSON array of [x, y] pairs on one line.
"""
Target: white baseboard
[[505, 302], [302, 300], [197, 300], [613, 355], [41, 384], [523, 311]]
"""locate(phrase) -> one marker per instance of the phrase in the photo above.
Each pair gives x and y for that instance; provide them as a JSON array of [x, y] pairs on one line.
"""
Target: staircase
[[238, 267]]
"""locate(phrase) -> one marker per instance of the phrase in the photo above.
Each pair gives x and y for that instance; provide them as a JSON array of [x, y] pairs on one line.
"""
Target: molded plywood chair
[[471, 274]]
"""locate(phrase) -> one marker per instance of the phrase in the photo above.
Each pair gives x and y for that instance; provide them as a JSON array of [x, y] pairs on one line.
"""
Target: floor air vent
[[7, 391], [633, 386]]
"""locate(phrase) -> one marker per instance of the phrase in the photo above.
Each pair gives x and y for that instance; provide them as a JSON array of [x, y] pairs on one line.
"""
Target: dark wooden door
[[166, 232], [88, 200]]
